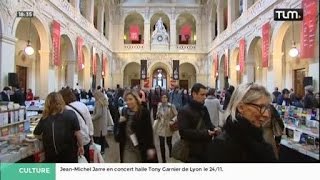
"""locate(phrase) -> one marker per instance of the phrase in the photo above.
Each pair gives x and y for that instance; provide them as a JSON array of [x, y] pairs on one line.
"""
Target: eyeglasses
[[262, 108]]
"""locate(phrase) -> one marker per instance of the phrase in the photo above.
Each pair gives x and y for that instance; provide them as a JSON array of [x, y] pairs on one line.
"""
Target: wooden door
[[135, 82], [22, 76], [184, 84], [299, 75]]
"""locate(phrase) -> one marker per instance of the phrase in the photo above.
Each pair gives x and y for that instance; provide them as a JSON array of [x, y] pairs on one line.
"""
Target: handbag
[[181, 148], [173, 126]]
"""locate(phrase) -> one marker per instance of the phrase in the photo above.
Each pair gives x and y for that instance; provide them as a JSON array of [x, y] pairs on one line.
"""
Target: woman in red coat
[[29, 95]]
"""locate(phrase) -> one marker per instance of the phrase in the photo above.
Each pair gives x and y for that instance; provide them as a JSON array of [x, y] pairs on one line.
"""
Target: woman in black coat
[[136, 132], [242, 139]]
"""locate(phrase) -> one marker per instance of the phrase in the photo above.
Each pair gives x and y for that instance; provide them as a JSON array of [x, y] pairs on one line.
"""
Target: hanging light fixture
[[82, 66], [293, 52], [29, 49]]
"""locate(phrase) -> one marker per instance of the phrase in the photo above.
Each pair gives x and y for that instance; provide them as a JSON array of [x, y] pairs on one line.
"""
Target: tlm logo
[[288, 14]]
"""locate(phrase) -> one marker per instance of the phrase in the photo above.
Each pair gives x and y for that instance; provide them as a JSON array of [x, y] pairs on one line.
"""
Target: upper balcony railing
[[133, 47]]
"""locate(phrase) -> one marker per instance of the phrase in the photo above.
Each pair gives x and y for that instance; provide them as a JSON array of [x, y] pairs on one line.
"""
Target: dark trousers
[[154, 111], [163, 149], [86, 151], [101, 141]]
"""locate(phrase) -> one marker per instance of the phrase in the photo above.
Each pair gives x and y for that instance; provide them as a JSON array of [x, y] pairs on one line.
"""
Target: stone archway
[[32, 69], [131, 74], [164, 67], [254, 71], [68, 67], [186, 29], [84, 73], [133, 22], [187, 75], [235, 75]]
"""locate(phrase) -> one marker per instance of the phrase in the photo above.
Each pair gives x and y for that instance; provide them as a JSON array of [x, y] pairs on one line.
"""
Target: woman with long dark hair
[[136, 128]]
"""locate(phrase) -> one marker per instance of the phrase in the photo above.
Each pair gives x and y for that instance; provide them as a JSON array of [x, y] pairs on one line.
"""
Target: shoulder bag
[[181, 148]]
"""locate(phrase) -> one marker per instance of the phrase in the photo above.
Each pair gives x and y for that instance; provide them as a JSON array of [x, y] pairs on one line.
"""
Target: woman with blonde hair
[[60, 132], [242, 139], [136, 131], [101, 119]]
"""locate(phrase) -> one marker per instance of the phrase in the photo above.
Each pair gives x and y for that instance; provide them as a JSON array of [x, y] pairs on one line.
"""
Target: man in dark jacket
[[284, 99], [309, 99], [195, 125], [18, 97], [5, 94], [227, 97]]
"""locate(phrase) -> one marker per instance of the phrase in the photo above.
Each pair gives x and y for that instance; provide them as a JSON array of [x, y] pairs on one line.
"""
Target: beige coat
[[101, 120], [166, 114]]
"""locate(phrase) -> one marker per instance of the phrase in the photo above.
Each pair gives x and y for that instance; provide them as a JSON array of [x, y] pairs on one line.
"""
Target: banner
[[185, 32], [175, 68], [265, 44], [56, 43], [79, 53], [134, 33], [94, 61], [226, 63], [242, 48], [308, 27], [104, 64], [143, 70]]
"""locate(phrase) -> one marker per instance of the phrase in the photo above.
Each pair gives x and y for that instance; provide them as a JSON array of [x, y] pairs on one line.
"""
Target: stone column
[[173, 35], [100, 18], [212, 26], [147, 35], [87, 77], [7, 58], [220, 16], [71, 71], [76, 4], [90, 10], [233, 10], [107, 29], [98, 73], [198, 34], [278, 69], [44, 68]]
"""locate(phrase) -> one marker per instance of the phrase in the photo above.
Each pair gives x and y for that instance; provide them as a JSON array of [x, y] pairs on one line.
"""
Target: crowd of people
[[67, 128]]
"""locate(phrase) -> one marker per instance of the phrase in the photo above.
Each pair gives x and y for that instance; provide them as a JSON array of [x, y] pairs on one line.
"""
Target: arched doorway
[[159, 78], [134, 29], [68, 67], [254, 68], [289, 72], [84, 73], [27, 67], [131, 74], [97, 76], [187, 75], [221, 73], [186, 29], [235, 75]]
